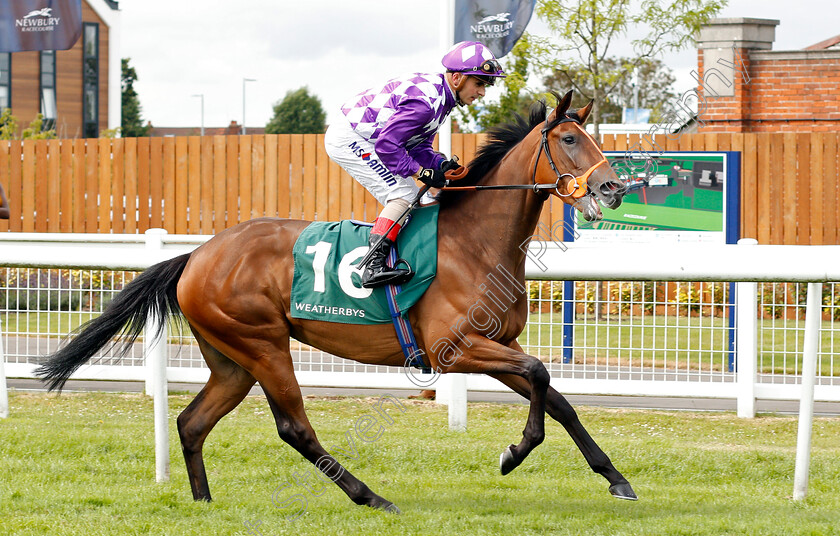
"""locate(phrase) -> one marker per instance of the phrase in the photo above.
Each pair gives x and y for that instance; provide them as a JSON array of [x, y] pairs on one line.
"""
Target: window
[[5, 80], [90, 81], [48, 104]]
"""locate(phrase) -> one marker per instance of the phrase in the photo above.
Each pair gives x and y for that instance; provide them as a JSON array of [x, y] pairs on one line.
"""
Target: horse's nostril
[[613, 188]]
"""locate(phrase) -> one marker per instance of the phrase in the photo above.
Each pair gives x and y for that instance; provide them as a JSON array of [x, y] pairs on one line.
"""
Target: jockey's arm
[[408, 121]]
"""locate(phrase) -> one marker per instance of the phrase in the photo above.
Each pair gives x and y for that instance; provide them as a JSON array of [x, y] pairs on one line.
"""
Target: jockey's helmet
[[473, 58]]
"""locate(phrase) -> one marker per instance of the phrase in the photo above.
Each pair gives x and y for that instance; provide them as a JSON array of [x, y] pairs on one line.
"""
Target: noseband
[[578, 186]]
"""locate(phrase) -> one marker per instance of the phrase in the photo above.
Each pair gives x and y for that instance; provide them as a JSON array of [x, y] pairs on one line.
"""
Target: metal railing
[[605, 333]]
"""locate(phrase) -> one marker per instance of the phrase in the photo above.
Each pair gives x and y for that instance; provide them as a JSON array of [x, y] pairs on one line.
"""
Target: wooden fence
[[201, 185]]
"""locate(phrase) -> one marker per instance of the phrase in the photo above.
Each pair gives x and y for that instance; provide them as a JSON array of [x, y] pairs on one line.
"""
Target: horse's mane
[[500, 140]]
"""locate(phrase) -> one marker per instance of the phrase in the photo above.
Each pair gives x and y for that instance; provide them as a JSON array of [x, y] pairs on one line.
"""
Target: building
[[745, 86], [76, 90]]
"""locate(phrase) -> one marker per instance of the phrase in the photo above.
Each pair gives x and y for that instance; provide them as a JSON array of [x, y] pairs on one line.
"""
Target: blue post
[[730, 312], [568, 290], [568, 320], [733, 234]]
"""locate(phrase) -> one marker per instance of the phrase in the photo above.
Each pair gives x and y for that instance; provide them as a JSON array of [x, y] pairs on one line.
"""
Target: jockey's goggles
[[487, 70], [491, 67]]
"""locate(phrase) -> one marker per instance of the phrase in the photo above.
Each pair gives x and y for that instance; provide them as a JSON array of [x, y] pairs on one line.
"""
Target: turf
[[84, 464]]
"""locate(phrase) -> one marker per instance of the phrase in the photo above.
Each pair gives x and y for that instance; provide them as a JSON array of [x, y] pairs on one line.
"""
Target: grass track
[[84, 464]]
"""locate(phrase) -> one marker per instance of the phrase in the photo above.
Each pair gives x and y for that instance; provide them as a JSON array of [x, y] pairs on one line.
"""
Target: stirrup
[[397, 276]]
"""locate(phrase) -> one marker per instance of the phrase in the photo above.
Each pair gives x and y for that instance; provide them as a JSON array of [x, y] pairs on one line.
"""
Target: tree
[[655, 93], [35, 131], [515, 99], [298, 113], [587, 28], [132, 113]]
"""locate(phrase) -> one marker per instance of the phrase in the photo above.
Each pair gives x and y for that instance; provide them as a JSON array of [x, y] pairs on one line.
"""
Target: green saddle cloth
[[327, 284]]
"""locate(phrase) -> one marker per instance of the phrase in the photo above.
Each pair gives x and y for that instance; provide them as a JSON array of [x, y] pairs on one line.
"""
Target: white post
[[806, 402], [244, 81], [4, 393], [156, 357], [447, 32], [451, 390], [458, 402], [155, 353], [201, 96], [154, 243], [746, 341]]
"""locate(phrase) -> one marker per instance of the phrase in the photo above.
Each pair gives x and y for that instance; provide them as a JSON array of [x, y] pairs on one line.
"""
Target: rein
[[580, 182]]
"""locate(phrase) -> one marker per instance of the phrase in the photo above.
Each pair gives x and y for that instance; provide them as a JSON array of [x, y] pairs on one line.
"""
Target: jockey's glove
[[433, 177], [450, 165]]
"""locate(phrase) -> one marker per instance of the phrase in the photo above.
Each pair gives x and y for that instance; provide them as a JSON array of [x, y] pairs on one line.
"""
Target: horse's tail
[[152, 292]]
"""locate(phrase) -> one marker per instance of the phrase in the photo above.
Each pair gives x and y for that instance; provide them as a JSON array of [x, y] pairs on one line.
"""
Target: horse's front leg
[[560, 410], [482, 355]]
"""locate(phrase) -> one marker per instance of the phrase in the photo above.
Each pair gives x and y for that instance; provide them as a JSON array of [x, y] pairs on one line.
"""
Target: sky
[[336, 48]]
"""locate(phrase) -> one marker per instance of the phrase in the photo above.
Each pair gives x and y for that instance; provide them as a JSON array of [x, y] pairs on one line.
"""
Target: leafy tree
[[110, 133], [35, 130], [515, 98], [132, 112], [587, 28], [298, 113], [655, 81], [8, 125]]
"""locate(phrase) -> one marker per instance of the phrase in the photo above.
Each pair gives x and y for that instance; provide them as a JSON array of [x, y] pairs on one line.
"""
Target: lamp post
[[244, 81], [201, 96]]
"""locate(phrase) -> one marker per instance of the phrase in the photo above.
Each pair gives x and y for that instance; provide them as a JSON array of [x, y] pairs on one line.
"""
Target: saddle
[[327, 281]]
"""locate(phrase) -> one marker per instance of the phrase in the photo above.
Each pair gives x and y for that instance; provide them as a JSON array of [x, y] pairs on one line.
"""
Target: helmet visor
[[487, 80]]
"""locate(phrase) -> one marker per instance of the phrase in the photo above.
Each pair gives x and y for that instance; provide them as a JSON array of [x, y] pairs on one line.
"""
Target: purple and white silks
[[401, 119]]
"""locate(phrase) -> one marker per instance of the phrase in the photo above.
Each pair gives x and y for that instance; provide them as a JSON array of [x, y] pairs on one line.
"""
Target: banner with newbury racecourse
[[495, 23], [39, 24]]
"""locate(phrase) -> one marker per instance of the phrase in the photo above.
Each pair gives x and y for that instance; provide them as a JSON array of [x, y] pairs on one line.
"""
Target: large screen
[[693, 196]]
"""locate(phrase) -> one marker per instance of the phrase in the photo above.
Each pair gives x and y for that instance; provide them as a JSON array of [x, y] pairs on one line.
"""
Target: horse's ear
[[562, 105], [583, 113]]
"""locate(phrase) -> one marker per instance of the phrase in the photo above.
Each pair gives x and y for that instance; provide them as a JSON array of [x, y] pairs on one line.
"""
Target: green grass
[[45, 323], [84, 464], [671, 341], [60, 324]]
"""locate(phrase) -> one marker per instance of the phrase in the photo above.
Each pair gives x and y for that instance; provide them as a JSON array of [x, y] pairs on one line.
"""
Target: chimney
[[720, 40], [724, 67]]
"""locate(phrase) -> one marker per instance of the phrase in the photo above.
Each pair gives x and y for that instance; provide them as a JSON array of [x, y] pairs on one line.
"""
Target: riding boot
[[377, 273]]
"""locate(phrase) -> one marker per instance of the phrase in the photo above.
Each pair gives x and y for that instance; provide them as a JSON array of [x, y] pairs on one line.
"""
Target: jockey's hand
[[433, 177], [453, 170], [449, 165]]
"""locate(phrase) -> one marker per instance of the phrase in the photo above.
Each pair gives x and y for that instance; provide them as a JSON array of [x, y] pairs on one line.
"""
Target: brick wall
[[783, 91]]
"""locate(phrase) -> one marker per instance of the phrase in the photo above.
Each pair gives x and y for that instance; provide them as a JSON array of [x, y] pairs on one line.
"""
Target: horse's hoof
[[392, 509], [507, 462], [623, 491]]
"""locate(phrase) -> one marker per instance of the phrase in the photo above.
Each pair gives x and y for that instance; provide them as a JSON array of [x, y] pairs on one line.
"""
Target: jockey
[[385, 143]]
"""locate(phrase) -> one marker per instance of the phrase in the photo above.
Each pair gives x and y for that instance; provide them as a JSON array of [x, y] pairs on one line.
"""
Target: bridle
[[580, 182], [544, 189]]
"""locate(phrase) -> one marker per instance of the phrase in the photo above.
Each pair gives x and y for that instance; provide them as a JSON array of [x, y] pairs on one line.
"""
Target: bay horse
[[234, 291]]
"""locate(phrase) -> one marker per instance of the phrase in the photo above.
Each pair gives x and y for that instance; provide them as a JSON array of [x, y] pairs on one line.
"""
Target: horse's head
[[575, 163]]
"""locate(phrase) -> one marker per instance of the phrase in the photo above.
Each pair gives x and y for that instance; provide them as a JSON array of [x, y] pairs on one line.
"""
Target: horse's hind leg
[[269, 359], [286, 402], [559, 409], [228, 385]]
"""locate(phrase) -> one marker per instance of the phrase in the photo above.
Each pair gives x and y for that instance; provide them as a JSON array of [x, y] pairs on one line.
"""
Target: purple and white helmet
[[471, 57]]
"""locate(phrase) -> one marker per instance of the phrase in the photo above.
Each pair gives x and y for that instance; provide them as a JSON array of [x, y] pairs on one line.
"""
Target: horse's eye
[[569, 140]]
